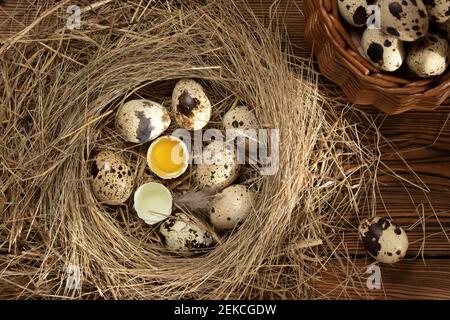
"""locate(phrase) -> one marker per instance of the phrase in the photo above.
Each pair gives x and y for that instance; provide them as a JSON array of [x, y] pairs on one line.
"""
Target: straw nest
[[60, 91]]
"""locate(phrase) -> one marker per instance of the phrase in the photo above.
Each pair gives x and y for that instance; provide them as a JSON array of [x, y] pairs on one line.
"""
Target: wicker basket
[[362, 83]]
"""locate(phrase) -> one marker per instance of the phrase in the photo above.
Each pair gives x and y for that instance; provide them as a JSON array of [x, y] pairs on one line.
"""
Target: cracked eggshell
[[231, 206], [141, 120], [355, 12], [218, 168], [191, 105], [183, 236], [406, 20], [153, 202], [429, 56], [112, 179], [383, 51], [384, 240], [438, 10]]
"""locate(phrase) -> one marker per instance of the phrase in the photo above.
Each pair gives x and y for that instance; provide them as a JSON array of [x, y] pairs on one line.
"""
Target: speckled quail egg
[[183, 236], [218, 168], [240, 118], [231, 206], [191, 105], [438, 10], [445, 28], [429, 56], [406, 20], [383, 51], [141, 120], [112, 179], [356, 38], [355, 12], [384, 240]]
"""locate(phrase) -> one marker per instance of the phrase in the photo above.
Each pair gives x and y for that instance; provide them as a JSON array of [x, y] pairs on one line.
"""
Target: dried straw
[[59, 94]]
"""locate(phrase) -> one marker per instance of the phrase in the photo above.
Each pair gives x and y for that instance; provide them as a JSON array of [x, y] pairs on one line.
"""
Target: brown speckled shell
[[231, 206], [191, 106], [183, 236], [218, 174], [141, 120], [112, 179], [384, 240], [438, 10], [240, 117]]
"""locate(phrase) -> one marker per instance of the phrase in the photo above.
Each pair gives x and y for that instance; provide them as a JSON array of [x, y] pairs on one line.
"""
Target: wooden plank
[[406, 280]]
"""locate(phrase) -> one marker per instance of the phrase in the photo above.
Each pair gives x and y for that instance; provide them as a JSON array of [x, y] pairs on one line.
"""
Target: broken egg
[[429, 56], [183, 236], [140, 121], [168, 157], [191, 105], [218, 168], [112, 179], [153, 202], [231, 206], [384, 240], [384, 51], [406, 20]]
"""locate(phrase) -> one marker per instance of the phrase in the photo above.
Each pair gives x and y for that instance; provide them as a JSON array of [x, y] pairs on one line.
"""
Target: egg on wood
[[218, 168], [112, 179], [355, 12], [191, 105], [384, 240], [438, 10], [183, 236], [429, 56], [382, 50], [141, 120], [231, 206], [406, 20]]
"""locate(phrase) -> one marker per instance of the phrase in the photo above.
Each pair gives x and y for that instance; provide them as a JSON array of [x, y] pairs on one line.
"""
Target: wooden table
[[423, 139]]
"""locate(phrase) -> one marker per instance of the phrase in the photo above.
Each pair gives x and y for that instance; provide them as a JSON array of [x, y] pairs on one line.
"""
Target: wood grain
[[422, 139]]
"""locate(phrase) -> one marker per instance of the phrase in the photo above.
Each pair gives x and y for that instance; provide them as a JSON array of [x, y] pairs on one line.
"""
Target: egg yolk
[[168, 156]]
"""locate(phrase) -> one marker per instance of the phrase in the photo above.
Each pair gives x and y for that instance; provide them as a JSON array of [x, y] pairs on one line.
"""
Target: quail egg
[[112, 179], [218, 168], [406, 20], [183, 236], [383, 51], [240, 118], [429, 56], [191, 105], [383, 239], [438, 10], [141, 120], [355, 12], [231, 206]]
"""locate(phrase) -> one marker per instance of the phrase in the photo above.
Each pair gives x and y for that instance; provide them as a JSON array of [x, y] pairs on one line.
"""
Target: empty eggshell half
[[141, 120], [153, 202]]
